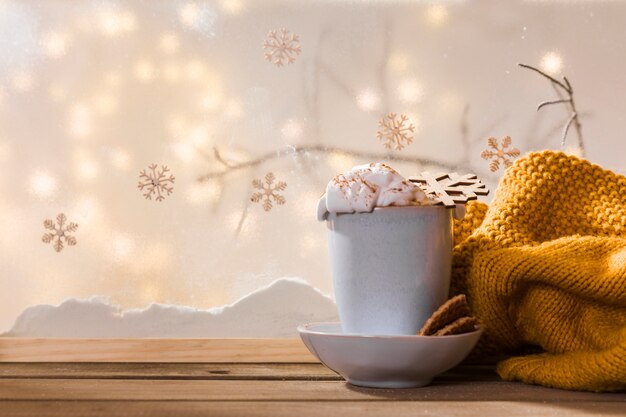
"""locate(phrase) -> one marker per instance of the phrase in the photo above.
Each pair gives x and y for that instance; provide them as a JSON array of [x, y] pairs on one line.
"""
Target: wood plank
[[153, 350], [239, 371], [219, 390], [307, 409], [226, 371]]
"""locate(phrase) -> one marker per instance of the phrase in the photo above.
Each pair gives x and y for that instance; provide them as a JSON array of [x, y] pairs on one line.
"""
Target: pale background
[[91, 92]]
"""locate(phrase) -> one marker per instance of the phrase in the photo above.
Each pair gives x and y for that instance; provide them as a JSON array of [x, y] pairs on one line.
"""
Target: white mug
[[391, 267]]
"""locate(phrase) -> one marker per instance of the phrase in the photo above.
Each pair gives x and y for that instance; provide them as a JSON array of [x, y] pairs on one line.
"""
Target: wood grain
[[221, 390], [307, 409], [271, 389], [226, 371], [153, 350]]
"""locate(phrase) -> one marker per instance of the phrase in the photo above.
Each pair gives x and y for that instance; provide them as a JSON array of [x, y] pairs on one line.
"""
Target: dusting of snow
[[272, 311]]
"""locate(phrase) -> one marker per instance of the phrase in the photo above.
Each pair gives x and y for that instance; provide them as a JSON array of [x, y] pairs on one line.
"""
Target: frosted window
[[93, 92]]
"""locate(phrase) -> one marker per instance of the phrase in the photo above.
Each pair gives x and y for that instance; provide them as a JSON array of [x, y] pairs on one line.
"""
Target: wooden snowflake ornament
[[156, 182], [395, 131], [281, 46], [450, 189], [499, 154], [268, 191], [59, 233]]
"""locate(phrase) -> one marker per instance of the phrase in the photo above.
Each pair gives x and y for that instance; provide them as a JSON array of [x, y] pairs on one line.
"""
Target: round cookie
[[453, 309]]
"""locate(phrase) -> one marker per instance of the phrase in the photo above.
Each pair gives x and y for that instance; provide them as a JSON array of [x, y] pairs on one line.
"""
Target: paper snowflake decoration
[[450, 189], [499, 154], [268, 191], [280, 46], [156, 182], [59, 233], [395, 131]]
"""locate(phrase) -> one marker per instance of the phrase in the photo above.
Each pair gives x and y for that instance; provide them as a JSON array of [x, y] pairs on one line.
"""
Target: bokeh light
[[123, 246], [113, 23], [86, 167], [234, 109], [232, 7], [105, 104], [341, 162], [368, 100], [80, 121], [195, 69], [437, 14], [551, 63], [42, 184], [201, 194], [185, 151], [55, 44], [199, 136], [211, 100], [113, 79], [169, 43], [23, 82], [189, 14], [398, 62], [291, 131], [176, 124], [120, 159], [198, 16], [171, 72], [57, 92], [410, 91], [144, 70]]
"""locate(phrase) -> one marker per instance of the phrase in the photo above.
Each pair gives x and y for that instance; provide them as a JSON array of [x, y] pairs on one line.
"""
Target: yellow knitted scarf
[[545, 266]]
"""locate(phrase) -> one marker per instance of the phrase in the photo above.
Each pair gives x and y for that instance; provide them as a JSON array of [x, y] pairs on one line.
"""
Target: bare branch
[[566, 86], [319, 149], [218, 157], [242, 219], [569, 86], [552, 79], [571, 119], [549, 103]]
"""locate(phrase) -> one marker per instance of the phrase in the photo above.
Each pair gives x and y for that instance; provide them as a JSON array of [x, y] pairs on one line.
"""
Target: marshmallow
[[365, 187]]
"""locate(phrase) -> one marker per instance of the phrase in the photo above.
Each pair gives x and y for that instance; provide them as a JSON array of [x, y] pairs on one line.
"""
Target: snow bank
[[272, 311]]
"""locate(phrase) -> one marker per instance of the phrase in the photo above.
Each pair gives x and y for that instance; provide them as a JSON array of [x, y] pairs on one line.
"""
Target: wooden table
[[271, 389]]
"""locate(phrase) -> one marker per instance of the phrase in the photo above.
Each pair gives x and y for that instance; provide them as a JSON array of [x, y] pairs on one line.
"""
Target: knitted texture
[[545, 265]]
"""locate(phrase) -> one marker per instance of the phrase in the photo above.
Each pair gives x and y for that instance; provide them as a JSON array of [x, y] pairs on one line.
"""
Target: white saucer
[[386, 361]]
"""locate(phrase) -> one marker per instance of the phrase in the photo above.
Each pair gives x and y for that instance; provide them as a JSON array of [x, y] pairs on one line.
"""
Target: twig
[[549, 103], [573, 118], [567, 126], [218, 157], [242, 219], [552, 79], [320, 149]]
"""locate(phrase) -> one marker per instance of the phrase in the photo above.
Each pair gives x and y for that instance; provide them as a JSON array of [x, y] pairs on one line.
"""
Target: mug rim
[[393, 208]]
